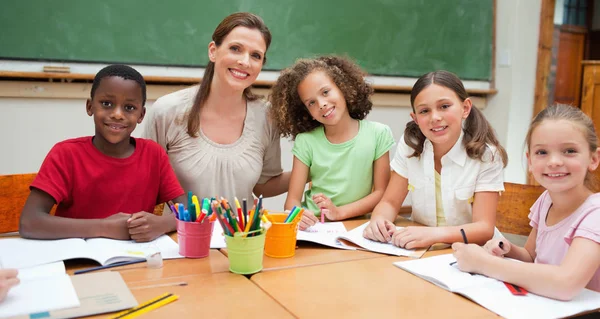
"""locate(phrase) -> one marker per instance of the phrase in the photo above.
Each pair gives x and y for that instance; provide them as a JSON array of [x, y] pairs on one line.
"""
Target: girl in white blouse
[[450, 161]]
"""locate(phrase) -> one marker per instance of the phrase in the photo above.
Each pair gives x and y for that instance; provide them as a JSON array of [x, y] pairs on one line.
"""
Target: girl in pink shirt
[[562, 253]]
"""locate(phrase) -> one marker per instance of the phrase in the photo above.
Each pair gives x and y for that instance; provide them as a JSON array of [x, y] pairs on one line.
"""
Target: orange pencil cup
[[194, 238], [281, 238]]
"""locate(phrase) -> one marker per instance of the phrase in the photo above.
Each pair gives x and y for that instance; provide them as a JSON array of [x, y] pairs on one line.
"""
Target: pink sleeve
[[587, 225], [535, 210]]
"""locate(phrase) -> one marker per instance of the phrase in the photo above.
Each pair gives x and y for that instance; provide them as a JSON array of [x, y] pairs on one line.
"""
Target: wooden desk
[[367, 288], [310, 254], [222, 295]]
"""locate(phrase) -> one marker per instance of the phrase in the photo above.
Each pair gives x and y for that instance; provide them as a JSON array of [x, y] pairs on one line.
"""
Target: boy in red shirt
[[104, 185]]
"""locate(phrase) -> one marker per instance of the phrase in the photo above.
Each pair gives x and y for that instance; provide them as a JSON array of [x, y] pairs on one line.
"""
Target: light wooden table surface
[[310, 254], [369, 288], [217, 295]]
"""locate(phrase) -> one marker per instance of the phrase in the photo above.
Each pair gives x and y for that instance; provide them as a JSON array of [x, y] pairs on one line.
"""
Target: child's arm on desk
[[298, 180], [144, 226], [480, 230], [561, 282], [381, 226], [381, 177], [36, 222]]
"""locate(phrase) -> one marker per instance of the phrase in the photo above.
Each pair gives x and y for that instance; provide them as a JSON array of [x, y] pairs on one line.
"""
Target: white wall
[[510, 110], [29, 127]]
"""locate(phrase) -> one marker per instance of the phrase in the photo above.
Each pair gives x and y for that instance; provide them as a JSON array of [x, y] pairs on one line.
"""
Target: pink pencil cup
[[194, 238]]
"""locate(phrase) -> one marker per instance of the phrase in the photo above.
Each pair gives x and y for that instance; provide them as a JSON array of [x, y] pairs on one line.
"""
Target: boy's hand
[[380, 230], [8, 279], [327, 207], [497, 247], [415, 237], [308, 219], [145, 226], [117, 226]]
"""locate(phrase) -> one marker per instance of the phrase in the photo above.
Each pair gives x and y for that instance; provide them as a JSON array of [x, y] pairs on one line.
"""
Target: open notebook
[[42, 288], [104, 251], [333, 234], [493, 294]]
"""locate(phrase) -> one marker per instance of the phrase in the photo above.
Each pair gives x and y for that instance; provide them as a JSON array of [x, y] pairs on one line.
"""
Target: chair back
[[14, 190], [513, 208]]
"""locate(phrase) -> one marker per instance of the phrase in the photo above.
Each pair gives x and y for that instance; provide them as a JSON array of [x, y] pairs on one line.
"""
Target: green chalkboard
[[386, 37]]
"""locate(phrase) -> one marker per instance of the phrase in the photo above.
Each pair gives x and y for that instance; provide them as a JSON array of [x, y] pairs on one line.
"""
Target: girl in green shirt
[[321, 103]]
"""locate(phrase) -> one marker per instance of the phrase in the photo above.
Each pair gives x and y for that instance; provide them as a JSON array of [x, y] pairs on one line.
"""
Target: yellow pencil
[[146, 307]]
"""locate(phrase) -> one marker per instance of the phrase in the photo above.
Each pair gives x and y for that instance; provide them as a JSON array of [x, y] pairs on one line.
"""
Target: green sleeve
[[384, 139], [302, 149]]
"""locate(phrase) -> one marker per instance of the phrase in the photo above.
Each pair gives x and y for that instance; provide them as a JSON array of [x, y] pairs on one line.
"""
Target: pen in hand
[[464, 236]]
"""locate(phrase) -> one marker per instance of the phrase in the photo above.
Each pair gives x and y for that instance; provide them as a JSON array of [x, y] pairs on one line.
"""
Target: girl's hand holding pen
[[470, 258], [327, 207], [380, 230], [497, 247], [308, 219]]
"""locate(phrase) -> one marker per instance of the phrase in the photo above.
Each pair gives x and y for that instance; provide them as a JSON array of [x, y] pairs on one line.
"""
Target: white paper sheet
[[42, 288]]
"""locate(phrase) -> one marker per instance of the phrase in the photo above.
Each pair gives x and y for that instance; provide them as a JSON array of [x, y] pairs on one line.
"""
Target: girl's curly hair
[[290, 114]]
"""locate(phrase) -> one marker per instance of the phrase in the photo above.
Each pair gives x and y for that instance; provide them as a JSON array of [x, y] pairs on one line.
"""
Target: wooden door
[[568, 67], [590, 99]]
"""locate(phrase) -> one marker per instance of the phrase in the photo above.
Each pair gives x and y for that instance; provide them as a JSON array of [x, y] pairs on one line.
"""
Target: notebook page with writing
[[110, 251], [42, 288], [325, 234], [41, 252], [356, 236]]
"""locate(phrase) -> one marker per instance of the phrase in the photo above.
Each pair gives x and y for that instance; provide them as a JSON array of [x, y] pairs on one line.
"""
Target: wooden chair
[[513, 208], [14, 190]]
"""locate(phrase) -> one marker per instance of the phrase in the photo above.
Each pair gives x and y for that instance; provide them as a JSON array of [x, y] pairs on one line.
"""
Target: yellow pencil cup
[[281, 238]]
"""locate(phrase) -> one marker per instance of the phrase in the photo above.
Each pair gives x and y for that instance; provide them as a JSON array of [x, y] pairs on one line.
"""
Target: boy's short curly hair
[[123, 71], [291, 115]]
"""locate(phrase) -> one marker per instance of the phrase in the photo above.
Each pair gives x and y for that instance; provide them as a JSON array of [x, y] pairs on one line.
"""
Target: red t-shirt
[[88, 184]]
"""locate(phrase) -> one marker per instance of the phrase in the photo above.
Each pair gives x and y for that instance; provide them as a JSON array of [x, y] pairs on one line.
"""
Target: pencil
[[146, 307]]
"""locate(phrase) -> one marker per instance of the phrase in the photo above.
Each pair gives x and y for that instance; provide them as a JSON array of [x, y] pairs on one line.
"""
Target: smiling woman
[[218, 135]]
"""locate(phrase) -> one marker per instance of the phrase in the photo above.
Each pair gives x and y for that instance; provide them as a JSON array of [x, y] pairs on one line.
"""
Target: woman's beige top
[[207, 168]]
